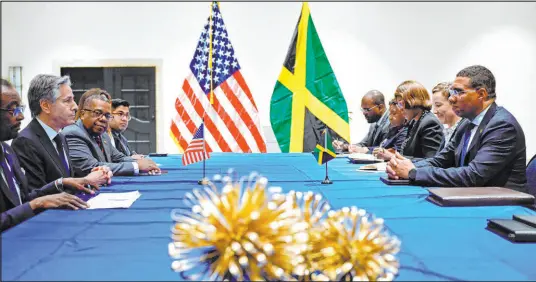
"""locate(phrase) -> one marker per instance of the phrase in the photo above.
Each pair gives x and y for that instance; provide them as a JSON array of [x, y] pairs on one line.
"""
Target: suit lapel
[[8, 193], [379, 128], [96, 147], [471, 151], [3, 183], [20, 177], [124, 143], [105, 144], [47, 144]]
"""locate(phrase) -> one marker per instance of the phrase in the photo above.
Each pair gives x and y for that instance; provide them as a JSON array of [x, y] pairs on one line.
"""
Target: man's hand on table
[[399, 167]]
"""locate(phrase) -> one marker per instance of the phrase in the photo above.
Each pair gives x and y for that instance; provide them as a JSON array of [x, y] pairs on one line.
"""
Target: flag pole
[[326, 180], [204, 180]]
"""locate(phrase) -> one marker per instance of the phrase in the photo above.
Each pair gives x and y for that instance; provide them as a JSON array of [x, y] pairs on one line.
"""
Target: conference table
[[438, 243]]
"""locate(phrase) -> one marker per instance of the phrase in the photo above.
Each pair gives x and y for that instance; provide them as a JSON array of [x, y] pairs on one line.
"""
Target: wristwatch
[[412, 174], [59, 184]]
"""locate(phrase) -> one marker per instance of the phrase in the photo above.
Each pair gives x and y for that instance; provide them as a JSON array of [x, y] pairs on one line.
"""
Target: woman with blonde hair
[[443, 111], [425, 132]]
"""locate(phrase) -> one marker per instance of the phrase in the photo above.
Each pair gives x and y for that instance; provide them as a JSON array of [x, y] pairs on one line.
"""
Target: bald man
[[375, 112]]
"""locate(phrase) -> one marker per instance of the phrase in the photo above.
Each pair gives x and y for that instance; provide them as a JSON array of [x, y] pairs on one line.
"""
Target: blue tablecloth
[[438, 243]]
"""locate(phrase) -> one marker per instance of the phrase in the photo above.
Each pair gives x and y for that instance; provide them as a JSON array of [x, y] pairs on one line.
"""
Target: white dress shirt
[[51, 133], [476, 121]]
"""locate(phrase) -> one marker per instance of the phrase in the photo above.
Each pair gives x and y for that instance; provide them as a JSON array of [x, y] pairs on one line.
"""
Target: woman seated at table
[[425, 132], [397, 130], [443, 111]]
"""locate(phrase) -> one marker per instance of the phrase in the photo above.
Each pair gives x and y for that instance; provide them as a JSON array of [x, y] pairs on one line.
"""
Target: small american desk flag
[[196, 149]]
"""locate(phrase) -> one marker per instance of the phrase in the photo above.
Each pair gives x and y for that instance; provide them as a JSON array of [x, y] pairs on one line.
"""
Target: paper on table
[[360, 156], [375, 168], [113, 200]]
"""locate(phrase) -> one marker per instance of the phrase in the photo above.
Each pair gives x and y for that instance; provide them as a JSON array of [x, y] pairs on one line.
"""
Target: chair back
[[531, 176]]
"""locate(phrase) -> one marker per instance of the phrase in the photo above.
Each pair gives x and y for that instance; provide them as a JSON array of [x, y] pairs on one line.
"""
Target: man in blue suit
[[487, 150], [17, 202]]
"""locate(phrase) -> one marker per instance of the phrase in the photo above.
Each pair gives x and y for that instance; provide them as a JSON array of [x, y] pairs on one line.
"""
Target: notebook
[[478, 196], [395, 182], [513, 229]]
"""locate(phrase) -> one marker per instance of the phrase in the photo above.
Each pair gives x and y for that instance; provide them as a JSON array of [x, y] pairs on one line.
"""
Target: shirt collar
[[478, 119], [51, 133]]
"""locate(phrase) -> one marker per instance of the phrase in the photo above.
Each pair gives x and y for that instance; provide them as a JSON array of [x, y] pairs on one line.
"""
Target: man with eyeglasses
[[118, 124], [91, 146], [375, 112], [17, 201], [488, 149], [41, 147]]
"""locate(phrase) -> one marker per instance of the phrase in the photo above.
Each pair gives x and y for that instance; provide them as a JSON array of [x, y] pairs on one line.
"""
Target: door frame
[[117, 63]]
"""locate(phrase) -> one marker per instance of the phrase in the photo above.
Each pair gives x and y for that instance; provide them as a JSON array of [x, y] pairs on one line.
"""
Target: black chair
[[531, 176]]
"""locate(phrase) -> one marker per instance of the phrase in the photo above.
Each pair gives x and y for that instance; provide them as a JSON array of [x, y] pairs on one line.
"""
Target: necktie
[[98, 139], [10, 177], [61, 154], [375, 132], [466, 137]]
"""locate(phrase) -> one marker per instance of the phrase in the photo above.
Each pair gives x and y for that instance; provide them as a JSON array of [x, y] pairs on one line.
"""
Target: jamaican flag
[[325, 153], [307, 98]]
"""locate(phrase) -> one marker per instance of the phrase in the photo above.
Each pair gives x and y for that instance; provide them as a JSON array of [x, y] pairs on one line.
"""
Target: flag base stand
[[203, 181], [327, 181]]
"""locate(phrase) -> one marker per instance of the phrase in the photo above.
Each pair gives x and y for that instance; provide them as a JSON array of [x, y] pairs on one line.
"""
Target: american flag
[[196, 151], [232, 119]]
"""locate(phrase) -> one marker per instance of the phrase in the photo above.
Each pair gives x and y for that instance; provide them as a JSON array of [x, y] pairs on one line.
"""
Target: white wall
[[370, 46]]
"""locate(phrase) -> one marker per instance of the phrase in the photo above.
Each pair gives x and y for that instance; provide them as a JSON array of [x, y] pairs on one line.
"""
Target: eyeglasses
[[122, 115], [99, 114], [368, 109], [15, 111], [456, 92], [399, 104]]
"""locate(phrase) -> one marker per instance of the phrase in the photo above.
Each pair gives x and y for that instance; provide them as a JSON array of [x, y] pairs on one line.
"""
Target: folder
[[395, 181], [516, 230], [478, 196]]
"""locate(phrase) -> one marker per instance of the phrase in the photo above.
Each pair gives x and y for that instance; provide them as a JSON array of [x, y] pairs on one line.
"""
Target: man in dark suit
[[17, 203], [118, 125], [488, 149], [89, 144], [376, 113], [41, 147]]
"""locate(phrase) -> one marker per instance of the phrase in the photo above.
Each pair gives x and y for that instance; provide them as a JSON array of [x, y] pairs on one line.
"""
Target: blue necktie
[[10, 177], [61, 154], [466, 137]]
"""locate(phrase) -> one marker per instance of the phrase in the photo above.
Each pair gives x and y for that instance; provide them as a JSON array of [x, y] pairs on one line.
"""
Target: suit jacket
[[394, 139], [12, 212], [495, 157], [424, 137], [38, 156], [85, 153], [121, 143], [377, 132]]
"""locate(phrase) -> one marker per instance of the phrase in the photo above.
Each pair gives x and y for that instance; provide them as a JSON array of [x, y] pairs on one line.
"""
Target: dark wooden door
[[134, 84]]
